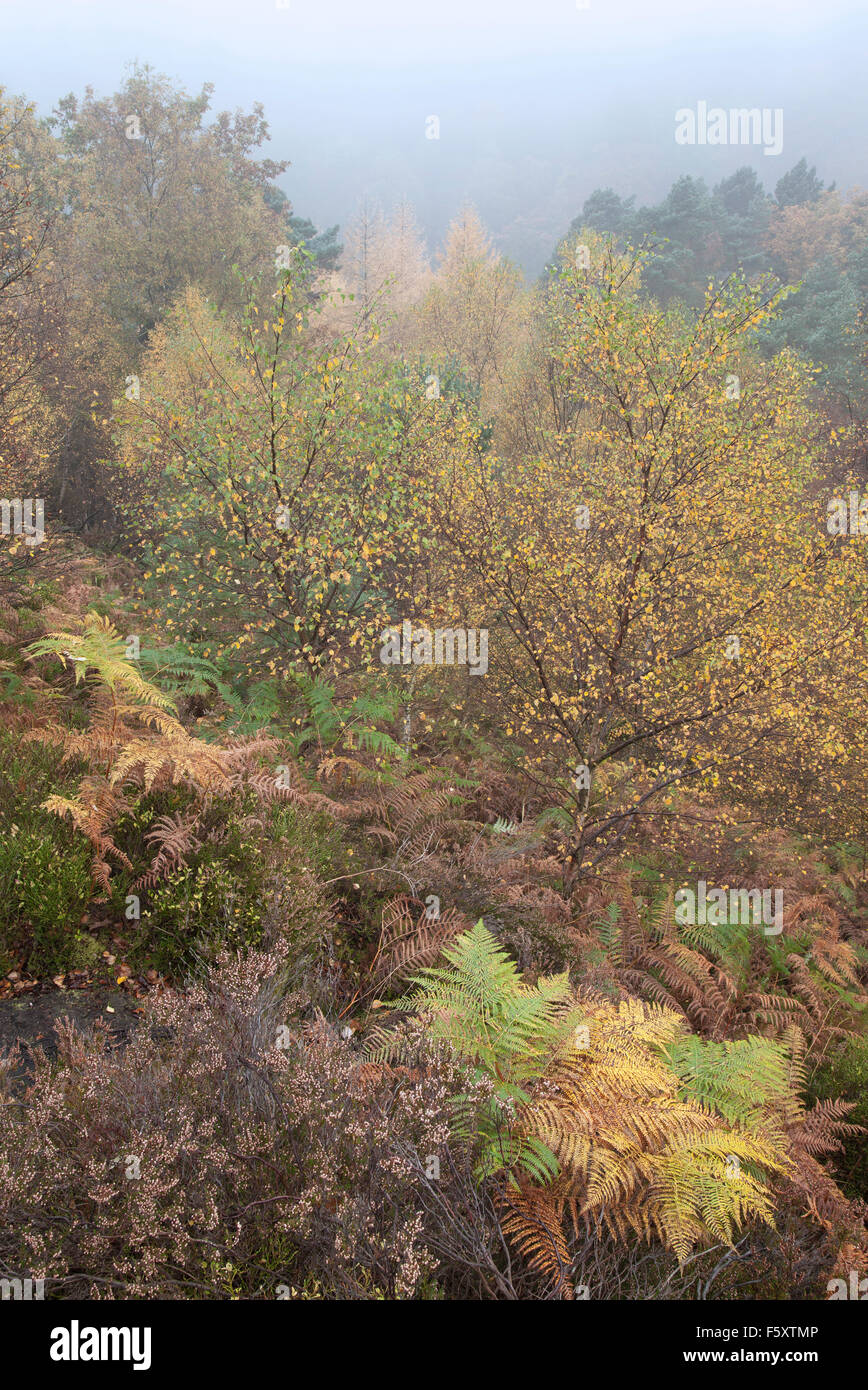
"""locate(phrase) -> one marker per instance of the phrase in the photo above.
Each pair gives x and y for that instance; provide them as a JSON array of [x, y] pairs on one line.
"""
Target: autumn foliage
[[406, 929]]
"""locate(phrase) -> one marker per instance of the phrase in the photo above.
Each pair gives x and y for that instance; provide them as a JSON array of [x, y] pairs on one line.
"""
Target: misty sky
[[538, 102]]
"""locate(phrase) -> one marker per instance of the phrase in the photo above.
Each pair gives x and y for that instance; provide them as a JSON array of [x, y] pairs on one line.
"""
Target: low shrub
[[44, 874], [845, 1077], [230, 1150]]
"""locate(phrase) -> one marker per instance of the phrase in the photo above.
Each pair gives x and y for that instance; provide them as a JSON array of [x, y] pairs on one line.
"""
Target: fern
[[174, 838], [481, 1008], [351, 725], [605, 1112], [737, 1079], [636, 1149], [101, 647], [408, 943], [729, 976], [185, 672], [134, 738], [411, 814]]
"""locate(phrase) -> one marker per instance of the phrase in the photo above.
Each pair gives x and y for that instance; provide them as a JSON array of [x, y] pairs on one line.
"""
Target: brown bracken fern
[[135, 739]]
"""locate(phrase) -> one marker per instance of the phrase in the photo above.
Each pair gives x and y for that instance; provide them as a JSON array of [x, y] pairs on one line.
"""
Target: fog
[[537, 104]]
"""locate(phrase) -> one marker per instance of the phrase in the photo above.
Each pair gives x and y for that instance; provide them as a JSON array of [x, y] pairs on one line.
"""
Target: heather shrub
[[232, 1149], [45, 886]]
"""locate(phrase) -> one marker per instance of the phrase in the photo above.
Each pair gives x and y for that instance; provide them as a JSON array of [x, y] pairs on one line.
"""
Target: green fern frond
[[737, 1079], [100, 647]]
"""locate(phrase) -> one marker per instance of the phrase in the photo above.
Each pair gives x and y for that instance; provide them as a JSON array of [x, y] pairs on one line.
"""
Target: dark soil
[[29, 1019]]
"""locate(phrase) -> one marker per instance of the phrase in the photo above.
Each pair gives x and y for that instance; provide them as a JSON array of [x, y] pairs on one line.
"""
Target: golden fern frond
[[637, 1153], [533, 1222], [95, 807], [71, 808], [180, 758]]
